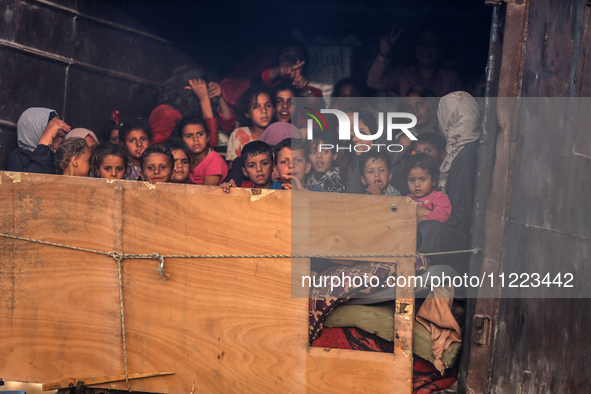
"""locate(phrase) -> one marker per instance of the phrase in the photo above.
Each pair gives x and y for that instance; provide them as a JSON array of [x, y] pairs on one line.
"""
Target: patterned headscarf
[[459, 117], [30, 127]]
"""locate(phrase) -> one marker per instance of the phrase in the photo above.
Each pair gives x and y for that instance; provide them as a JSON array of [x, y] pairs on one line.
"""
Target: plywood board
[[221, 324]]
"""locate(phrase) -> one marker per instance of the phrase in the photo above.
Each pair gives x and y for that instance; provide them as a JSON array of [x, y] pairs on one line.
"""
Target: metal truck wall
[[539, 222], [83, 58]]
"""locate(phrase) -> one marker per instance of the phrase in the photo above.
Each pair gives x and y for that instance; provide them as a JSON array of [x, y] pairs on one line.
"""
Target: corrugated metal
[[81, 58]]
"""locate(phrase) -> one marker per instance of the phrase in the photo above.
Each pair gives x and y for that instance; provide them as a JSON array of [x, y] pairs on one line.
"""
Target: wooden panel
[[222, 325]]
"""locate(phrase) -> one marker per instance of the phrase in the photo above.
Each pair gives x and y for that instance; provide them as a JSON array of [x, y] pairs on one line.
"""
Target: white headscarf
[[459, 118], [30, 127]]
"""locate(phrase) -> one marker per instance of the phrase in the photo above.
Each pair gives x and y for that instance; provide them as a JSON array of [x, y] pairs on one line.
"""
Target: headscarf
[[80, 132], [163, 120], [278, 131], [30, 127], [459, 117]]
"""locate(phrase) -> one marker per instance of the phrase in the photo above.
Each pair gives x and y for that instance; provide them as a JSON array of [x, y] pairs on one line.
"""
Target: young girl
[[73, 158], [109, 161], [112, 130], [207, 167], [324, 170], [433, 206], [283, 95], [423, 175], [257, 110], [134, 136], [182, 161]]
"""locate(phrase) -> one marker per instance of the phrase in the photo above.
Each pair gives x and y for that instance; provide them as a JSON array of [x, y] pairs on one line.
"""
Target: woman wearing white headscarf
[[459, 119], [40, 131]]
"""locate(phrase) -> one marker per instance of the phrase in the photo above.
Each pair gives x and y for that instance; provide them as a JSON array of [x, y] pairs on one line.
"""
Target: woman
[[459, 120], [40, 131]]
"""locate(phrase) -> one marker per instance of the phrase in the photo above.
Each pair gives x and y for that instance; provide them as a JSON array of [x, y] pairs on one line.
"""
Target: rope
[[119, 257]]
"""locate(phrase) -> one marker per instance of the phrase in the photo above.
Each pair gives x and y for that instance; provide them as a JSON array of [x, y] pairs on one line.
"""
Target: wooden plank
[[222, 325]]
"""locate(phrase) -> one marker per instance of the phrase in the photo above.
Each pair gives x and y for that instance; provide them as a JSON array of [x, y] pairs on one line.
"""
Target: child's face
[[290, 55], [114, 136], [195, 137], [259, 169], [82, 163], [430, 149], [376, 172], [261, 111], [283, 105], [136, 143], [419, 182], [321, 159], [157, 168], [112, 167], [292, 163], [180, 172], [363, 129]]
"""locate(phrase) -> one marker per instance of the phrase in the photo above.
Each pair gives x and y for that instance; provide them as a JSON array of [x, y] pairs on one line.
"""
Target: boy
[[431, 144], [257, 166], [291, 159], [157, 164], [375, 173], [134, 136]]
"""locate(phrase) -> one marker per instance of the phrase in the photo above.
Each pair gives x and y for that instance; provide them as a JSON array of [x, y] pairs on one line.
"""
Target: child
[[257, 110], [109, 161], [207, 166], [134, 136], [423, 175], [112, 130], [292, 164], [283, 95], [374, 167], [157, 163], [324, 170], [431, 144], [73, 158], [182, 161], [258, 165]]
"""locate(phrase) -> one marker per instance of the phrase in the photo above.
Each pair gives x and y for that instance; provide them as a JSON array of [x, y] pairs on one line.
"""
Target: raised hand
[[387, 41], [214, 89], [55, 128], [199, 87]]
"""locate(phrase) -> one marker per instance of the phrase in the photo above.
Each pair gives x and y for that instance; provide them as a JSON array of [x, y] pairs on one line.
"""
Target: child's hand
[[374, 188], [300, 82], [227, 185], [54, 127], [199, 87], [286, 186], [214, 90], [296, 184], [420, 219]]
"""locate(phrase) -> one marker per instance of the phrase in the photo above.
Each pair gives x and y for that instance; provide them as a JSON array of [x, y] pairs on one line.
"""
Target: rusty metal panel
[[541, 344], [38, 25], [132, 99], [29, 80], [108, 47]]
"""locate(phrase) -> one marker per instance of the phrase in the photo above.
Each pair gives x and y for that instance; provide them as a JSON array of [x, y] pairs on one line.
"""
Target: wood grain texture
[[222, 325]]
